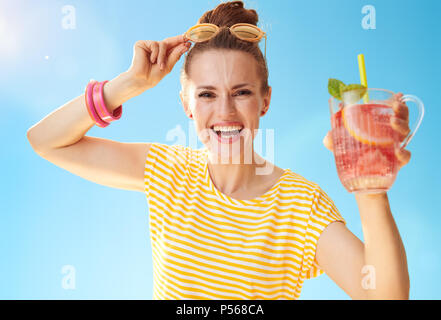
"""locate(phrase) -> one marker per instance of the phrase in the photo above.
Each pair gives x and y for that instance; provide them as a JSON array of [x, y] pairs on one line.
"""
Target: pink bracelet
[[91, 107], [100, 106]]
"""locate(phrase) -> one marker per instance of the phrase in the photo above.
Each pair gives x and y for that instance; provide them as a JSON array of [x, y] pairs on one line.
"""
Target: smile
[[227, 135]]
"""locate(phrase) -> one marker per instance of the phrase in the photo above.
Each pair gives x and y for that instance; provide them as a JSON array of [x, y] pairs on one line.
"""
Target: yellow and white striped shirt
[[207, 245]]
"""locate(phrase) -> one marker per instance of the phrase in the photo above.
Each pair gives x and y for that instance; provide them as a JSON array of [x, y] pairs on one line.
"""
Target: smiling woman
[[239, 228], [221, 230]]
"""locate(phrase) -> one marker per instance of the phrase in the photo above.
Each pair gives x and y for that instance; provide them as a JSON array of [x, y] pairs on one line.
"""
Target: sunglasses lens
[[201, 33], [246, 32]]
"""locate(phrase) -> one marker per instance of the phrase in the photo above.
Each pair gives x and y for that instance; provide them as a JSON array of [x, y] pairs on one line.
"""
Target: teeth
[[228, 128]]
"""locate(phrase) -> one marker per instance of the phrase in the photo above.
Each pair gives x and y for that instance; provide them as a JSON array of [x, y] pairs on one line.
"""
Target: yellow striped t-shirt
[[207, 245]]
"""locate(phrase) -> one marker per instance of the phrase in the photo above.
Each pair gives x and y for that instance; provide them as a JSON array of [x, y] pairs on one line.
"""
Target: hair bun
[[229, 13]]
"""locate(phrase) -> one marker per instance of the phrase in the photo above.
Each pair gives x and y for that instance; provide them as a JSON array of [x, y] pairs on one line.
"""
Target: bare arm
[[383, 250], [70, 122], [60, 136], [375, 269]]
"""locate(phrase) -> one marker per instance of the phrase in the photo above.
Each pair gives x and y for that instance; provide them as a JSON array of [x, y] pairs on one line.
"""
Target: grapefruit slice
[[369, 123]]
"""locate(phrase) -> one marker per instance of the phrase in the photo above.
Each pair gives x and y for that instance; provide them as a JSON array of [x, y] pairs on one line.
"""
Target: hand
[[153, 60], [399, 122]]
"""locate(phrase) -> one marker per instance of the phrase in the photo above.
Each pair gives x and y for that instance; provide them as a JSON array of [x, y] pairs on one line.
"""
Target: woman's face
[[224, 89]]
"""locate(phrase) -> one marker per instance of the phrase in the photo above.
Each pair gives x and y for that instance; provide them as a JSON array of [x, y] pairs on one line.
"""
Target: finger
[[141, 49], [175, 55], [162, 54], [174, 41], [394, 97], [398, 96], [400, 109], [400, 125], [403, 156], [327, 141], [144, 45], [185, 44], [154, 54]]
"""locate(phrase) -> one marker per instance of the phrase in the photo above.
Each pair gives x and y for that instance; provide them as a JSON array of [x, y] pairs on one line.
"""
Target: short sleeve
[[162, 164], [150, 166], [323, 212]]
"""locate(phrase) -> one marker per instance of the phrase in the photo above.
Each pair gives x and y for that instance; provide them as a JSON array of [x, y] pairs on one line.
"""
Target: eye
[[244, 92], [205, 95]]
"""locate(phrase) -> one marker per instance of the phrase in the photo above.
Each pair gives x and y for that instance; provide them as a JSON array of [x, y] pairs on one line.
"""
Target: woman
[[223, 225]]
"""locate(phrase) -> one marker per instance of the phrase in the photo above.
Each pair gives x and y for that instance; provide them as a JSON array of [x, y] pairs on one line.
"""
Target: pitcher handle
[[420, 105]]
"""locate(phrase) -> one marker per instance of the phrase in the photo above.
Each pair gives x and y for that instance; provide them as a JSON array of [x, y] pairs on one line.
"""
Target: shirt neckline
[[231, 200]]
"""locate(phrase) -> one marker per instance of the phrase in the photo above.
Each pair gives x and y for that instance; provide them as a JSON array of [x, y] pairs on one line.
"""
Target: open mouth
[[227, 134]]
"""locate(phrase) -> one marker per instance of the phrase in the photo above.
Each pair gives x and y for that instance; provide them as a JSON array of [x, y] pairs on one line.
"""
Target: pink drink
[[364, 147]]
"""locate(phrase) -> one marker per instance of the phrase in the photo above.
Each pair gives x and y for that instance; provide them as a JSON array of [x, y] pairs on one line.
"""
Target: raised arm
[[377, 268], [60, 136], [69, 123]]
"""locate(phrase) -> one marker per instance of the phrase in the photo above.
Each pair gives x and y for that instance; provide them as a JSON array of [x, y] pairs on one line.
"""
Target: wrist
[[135, 83], [372, 203], [371, 197], [120, 89]]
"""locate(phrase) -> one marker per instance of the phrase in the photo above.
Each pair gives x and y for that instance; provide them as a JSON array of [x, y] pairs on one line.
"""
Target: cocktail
[[364, 141]]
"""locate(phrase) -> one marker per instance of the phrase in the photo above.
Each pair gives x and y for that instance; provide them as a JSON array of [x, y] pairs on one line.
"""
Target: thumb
[[175, 55], [327, 141]]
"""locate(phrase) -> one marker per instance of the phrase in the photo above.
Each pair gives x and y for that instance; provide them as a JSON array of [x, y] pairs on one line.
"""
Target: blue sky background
[[51, 218]]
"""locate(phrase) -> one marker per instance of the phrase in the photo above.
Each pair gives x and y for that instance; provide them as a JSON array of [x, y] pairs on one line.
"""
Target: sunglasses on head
[[244, 31]]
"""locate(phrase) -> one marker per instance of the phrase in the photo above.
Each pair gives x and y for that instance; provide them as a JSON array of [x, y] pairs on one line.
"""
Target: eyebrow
[[235, 87]]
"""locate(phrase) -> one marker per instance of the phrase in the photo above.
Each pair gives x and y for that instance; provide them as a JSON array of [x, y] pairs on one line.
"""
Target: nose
[[226, 105]]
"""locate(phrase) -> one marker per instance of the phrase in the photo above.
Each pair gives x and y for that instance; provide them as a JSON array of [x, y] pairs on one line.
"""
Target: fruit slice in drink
[[364, 147], [369, 124]]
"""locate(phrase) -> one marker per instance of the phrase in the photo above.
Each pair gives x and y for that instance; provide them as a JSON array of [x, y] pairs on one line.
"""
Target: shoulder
[[166, 165], [311, 191], [173, 155], [296, 181]]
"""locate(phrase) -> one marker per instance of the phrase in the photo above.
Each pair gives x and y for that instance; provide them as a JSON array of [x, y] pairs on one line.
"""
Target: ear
[[266, 102], [185, 105]]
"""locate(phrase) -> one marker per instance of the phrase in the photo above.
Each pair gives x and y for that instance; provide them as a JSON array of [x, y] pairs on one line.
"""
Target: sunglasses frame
[[261, 35]]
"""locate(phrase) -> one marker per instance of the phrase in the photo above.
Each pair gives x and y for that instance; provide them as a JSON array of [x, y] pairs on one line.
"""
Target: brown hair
[[225, 15]]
